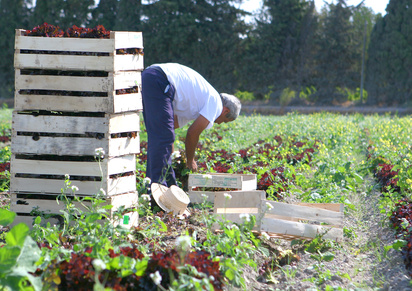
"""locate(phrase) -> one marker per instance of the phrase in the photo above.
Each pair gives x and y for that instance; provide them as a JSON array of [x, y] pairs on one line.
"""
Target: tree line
[[291, 53]]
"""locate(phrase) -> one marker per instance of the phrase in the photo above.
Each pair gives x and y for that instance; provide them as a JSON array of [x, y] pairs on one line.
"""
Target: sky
[[376, 5]]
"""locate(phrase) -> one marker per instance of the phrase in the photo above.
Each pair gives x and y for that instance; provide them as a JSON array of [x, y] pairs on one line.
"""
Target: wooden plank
[[64, 83], [299, 229], [63, 43], [53, 206], [221, 180], [290, 211], [112, 104], [106, 167], [127, 39], [73, 146], [127, 102], [115, 123], [240, 199], [78, 62], [124, 122], [235, 218], [54, 186], [114, 81], [118, 40], [196, 196], [338, 207]]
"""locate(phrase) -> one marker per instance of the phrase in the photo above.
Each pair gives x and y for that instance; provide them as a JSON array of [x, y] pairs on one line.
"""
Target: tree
[[129, 15], [335, 67], [49, 11], [389, 67], [201, 34], [275, 48], [105, 14], [13, 15]]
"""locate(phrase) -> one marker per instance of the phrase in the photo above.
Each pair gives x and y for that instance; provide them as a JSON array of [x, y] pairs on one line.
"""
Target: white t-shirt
[[193, 96]]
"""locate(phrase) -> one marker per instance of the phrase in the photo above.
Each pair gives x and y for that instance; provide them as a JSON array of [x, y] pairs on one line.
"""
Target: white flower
[[183, 242], [227, 196], [269, 206], [75, 188], [102, 192], [233, 226], [207, 177], [147, 181], [264, 235], [175, 155], [204, 196], [98, 265], [99, 153], [67, 177], [146, 197], [156, 277], [244, 216]]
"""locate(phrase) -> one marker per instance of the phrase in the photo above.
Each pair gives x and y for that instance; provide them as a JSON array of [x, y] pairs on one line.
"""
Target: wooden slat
[[111, 104], [114, 81], [64, 83], [338, 207], [291, 212], [125, 122], [240, 199], [26, 204], [106, 167], [118, 39], [234, 181], [54, 186], [127, 39], [73, 146], [78, 62], [299, 229]]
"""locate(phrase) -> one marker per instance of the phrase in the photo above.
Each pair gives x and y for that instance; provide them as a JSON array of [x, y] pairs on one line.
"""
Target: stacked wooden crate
[[73, 96]]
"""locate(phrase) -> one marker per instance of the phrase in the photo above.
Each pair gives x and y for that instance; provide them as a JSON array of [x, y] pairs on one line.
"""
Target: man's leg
[[159, 121]]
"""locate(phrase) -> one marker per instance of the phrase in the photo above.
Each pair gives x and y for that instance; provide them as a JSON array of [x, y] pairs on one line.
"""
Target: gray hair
[[233, 104]]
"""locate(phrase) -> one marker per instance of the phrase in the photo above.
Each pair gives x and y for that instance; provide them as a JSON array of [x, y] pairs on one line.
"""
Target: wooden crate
[[46, 175], [23, 204], [75, 135], [242, 182], [282, 220], [90, 92]]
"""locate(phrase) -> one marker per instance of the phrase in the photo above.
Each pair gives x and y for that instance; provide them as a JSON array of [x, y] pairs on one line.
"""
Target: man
[[173, 95]]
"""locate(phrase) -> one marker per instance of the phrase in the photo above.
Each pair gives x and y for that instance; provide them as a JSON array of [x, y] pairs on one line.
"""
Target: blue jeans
[[158, 95]]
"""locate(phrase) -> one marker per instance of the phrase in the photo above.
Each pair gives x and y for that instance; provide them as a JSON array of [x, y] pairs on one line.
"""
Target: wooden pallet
[[60, 134], [196, 182], [44, 91], [282, 220], [23, 204]]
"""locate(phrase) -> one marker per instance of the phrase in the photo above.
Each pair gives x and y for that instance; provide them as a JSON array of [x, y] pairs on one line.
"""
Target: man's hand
[[192, 166], [192, 138]]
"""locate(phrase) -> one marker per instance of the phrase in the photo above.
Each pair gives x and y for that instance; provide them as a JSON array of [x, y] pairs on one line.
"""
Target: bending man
[[173, 95]]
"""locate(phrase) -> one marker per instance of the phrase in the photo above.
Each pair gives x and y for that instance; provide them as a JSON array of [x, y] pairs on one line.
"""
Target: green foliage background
[[290, 45]]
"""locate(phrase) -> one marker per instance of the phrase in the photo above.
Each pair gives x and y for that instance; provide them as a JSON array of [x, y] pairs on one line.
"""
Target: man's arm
[[192, 138]]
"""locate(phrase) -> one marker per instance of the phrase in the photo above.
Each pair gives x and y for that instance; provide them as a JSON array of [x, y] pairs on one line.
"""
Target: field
[[361, 161]]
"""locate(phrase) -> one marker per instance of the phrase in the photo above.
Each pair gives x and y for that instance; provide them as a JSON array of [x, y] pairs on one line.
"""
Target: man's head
[[231, 108]]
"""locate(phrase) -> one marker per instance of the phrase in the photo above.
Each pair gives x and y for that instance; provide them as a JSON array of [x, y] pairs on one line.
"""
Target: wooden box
[[242, 182], [282, 220], [24, 204], [70, 134], [78, 74]]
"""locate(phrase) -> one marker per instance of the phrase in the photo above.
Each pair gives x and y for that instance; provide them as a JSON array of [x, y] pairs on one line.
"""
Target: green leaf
[[141, 267], [30, 254], [230, 274], [6, 217], [328, 256], [17, 235], [8, 257]]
